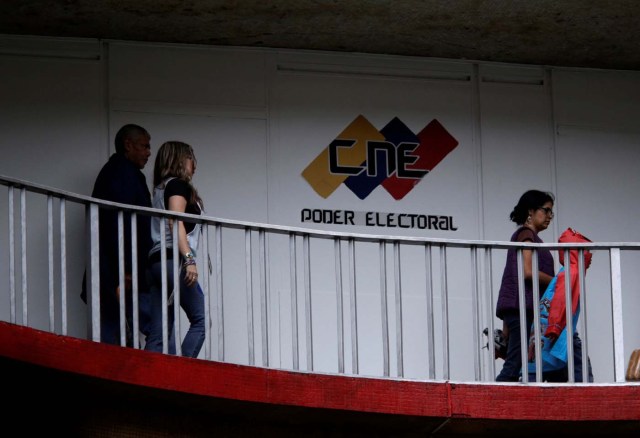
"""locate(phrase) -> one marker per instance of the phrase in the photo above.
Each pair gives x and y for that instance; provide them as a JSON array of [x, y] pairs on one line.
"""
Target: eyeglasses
[[548, 211]]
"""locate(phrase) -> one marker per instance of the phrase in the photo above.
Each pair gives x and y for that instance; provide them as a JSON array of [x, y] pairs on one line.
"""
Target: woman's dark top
[[508, 298], [182, 188]]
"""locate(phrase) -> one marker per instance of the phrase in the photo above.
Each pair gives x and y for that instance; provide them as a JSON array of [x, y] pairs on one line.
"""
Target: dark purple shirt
[[508, 298]]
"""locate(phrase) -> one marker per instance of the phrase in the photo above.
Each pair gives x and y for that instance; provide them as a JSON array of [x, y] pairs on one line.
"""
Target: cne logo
[[362, 158]]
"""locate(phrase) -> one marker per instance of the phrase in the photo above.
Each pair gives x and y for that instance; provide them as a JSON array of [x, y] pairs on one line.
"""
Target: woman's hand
[[191, 275]]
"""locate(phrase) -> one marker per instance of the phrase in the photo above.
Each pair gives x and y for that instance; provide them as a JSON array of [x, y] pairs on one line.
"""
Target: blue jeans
[[110, 312], [191, 301], [513, 362], [110, 319]]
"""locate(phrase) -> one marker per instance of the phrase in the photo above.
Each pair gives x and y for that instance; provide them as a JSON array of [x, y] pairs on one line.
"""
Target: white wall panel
[[598, 199], [52, 113], [314, 102], [598, 151], [51, 118], [516, 143], [186, 76], [258, 118]]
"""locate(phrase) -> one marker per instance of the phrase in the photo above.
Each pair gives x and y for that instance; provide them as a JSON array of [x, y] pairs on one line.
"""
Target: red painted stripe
[[246, 383]]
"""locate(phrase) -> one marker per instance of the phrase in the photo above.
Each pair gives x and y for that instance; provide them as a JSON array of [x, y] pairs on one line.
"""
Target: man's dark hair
[[128, 131]]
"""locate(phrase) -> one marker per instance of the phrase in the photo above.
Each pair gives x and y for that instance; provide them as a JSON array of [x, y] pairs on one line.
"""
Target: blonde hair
[[169, 163]]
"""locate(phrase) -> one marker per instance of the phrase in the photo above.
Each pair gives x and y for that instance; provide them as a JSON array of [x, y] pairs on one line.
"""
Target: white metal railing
[[314, 300]]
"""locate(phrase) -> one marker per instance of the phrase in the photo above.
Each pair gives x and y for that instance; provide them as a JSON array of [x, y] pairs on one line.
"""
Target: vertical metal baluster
[[340, 316], [267, 291], [218, 305], [308, 310], [353, 307], [384, 308], [431, 355], [205, 287], [475, 314], [23, 229], [12, 259], [569, 315], [63, 266], [488, 267], [121, 287], [616, 308], [535, 285], [293, 283], [583, 320], [135, 313], [93, 274], [398, 304], [52, 320], [264, 297], [163, 283], [177, 272], [523, 315], [445, 312], [249, 293]]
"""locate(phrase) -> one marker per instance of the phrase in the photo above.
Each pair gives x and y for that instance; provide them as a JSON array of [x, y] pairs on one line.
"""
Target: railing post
[[23, 239], [353, 304], [339, 312], [177, 272], [569, 315], [488, 268], [307, 295], [63, 264], [93, 271], [383, 308], [163, 284], [616, 309], [445, 313], [205, 260], [583, 321], [535, 289], [264, 296], [398, 304], [12, 258], [122, 289], [475, 310], [523, 315], [293, 284], [52, 306], [249, 294], [135, 290], [219, 291], [431, 351]]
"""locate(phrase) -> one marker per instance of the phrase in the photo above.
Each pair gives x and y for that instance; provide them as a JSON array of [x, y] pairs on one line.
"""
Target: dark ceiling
[[571, 33]]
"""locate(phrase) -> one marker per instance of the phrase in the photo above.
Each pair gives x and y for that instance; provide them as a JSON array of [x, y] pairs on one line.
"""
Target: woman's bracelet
[[189, 262]]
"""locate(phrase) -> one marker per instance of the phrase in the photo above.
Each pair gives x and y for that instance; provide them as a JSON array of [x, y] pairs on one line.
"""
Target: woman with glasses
[[532, 214]]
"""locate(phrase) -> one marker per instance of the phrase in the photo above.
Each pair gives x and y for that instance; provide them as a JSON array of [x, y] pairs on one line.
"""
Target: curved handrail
[[480, 280]]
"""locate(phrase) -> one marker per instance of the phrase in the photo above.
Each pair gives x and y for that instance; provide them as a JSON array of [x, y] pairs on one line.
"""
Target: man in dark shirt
[[121, 180]]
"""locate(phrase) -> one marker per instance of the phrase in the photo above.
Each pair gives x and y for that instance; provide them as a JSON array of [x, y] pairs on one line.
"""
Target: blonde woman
[[174, 168]]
